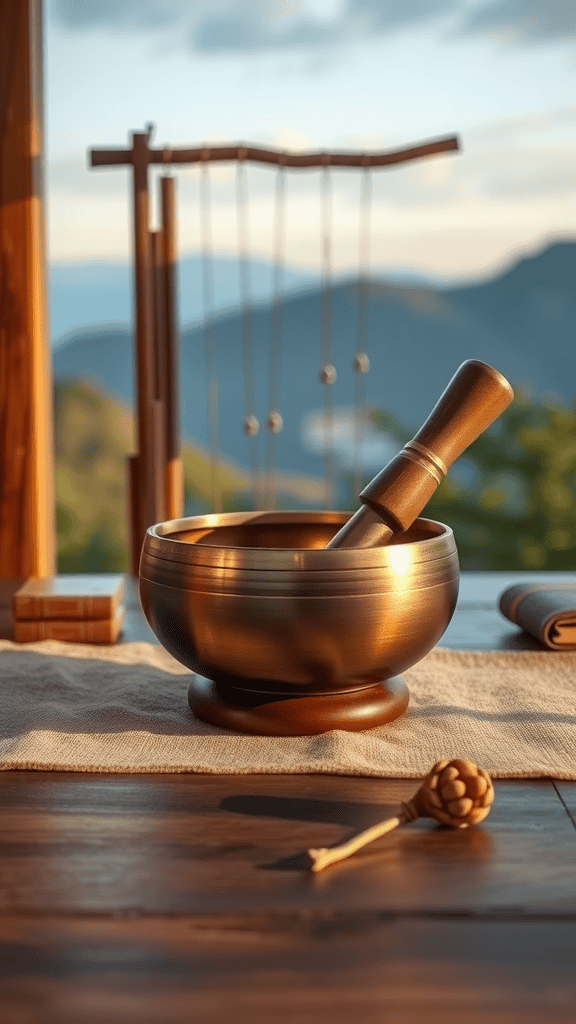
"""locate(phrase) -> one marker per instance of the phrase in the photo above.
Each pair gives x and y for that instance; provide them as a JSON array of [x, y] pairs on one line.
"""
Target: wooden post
[[150, 511], [174, 485], [159, 336], [27, 515]]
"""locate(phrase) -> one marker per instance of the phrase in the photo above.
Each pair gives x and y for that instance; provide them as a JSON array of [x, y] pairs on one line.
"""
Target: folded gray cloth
[[545, 610]]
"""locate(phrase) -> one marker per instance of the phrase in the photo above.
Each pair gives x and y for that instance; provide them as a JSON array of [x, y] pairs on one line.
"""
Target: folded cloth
[[124, 708], [545, 610]]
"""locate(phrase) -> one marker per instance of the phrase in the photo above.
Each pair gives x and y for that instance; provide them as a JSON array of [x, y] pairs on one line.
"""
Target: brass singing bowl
[[287, 637]]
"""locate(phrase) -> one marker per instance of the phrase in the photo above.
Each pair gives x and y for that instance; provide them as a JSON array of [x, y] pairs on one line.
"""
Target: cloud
[[250, 26], [117, 14], [243, 27], [261, 26], [525, 124], [384, 17], [540, 183], [522, 22]]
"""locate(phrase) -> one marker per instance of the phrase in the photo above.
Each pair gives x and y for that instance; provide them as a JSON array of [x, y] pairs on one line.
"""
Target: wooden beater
[[456, 793]]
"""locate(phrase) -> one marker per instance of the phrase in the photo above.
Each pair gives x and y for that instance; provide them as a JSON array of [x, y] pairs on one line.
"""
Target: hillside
[[534, 305], [93, 436]]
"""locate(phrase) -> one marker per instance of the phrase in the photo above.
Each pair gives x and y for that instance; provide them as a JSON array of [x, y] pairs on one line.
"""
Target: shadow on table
[[470, 845], [335, 812], [340, 812], [521, 641]]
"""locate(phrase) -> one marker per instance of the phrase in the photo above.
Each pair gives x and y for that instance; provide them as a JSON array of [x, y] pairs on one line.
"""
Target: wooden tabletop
[[167, 899]]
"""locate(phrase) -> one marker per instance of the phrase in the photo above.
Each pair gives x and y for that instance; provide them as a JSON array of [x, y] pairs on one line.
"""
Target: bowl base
[[267, 714]]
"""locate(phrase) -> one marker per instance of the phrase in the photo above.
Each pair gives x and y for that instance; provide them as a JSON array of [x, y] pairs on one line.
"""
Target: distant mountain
[[534, 306], [522, 323], [84, 294], [97, 293]]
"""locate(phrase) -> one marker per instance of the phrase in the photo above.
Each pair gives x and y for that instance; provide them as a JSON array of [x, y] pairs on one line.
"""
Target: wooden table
[[169, 899]]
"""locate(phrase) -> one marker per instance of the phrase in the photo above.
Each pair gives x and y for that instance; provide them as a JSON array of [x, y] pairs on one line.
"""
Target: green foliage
[[511, 497], [101, 550], [93, 436]]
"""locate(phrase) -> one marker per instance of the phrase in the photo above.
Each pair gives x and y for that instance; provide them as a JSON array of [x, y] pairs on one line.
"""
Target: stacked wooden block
[[77, 609]]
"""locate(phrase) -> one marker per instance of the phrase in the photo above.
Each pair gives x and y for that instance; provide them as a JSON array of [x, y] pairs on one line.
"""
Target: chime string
[[209, 339], [361, 362], [274, 419], [251, 424], [327, 371]]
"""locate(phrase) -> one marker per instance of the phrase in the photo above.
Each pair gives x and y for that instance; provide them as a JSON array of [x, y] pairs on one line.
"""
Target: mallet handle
[[321, 858]]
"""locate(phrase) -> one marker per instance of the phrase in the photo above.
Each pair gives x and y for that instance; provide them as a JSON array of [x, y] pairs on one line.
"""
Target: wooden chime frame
[[155, 471]]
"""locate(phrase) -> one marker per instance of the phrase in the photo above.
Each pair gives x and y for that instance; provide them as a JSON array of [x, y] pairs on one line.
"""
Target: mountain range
[[521, 321], [101, 292]]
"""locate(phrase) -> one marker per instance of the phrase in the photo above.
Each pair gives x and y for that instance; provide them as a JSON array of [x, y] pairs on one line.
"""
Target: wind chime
[[155, 470]]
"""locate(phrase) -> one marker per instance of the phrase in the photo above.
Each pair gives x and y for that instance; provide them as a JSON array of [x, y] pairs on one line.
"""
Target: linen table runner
[[123, 708]]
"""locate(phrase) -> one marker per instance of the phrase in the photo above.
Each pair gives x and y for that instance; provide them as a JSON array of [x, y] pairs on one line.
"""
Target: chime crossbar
[[254, 154]]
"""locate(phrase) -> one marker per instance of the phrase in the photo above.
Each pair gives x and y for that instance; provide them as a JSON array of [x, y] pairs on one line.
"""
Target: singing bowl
[[286, 637]]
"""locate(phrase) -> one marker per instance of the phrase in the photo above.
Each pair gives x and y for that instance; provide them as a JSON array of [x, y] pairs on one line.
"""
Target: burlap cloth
[[123, 708]]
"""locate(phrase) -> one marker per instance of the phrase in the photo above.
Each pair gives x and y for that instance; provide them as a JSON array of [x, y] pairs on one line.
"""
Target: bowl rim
[[160, 542]]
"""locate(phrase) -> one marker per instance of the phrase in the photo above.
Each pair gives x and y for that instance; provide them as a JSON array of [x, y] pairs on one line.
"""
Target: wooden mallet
[[456, 793], [474, 398]]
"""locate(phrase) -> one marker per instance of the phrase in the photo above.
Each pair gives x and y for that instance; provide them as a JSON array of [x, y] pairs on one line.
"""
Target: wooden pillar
[[150, 500], [174, 470], [27, 519]]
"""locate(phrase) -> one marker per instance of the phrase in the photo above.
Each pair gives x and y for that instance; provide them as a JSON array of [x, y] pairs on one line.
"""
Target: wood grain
[[188, 844], [313, 970], [27, 512]]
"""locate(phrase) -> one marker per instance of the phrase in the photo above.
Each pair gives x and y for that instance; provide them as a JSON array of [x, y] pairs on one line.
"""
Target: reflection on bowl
[[253, 600]]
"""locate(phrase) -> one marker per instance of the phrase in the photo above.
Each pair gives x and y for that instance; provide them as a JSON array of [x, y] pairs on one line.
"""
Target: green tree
[[511, 498]]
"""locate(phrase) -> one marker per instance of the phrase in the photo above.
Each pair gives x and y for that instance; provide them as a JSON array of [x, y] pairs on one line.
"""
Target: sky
[[322, 74]]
